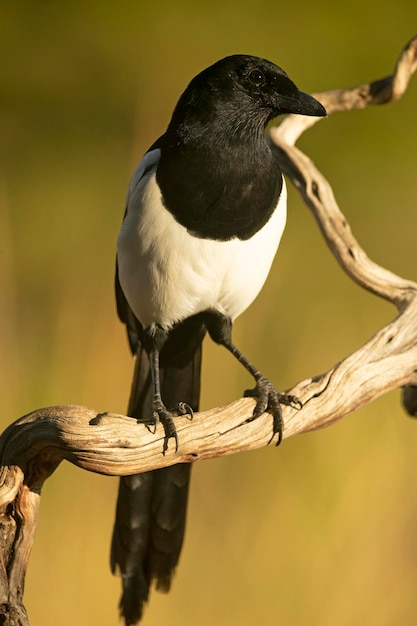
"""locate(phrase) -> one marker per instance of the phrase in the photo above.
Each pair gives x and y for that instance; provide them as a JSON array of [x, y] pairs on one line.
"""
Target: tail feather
[[168, 522], [130, 543], [151, 507]]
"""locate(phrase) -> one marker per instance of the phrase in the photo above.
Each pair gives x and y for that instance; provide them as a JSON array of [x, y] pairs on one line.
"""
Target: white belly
[[168, 275]]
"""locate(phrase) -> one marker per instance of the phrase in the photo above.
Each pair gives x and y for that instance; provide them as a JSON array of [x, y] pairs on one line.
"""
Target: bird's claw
[[161, 415], [183, 408], [268, 399]]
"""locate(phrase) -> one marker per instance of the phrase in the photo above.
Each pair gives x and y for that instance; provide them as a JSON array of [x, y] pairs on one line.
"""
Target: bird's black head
[[249, 86]]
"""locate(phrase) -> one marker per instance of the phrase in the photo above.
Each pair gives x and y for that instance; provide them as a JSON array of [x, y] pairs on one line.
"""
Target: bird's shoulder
[[147, 165]]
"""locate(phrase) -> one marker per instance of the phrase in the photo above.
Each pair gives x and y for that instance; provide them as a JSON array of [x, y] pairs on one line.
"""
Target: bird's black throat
[[219, 186]]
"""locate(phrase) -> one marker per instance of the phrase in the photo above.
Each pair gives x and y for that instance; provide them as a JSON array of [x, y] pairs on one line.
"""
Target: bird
[[205, 212]]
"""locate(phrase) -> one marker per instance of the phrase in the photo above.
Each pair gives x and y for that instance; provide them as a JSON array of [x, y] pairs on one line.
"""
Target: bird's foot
[[268, 399], [161, 414]]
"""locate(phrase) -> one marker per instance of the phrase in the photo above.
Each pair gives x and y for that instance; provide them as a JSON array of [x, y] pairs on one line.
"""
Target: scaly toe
[[268, 399], [183, 408], [161, 414]]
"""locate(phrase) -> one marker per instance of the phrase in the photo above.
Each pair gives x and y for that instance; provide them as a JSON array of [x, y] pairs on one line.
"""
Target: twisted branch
[[32, 447]]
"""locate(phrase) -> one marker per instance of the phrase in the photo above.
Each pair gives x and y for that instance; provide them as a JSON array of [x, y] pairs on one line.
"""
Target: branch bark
[[106, 443]]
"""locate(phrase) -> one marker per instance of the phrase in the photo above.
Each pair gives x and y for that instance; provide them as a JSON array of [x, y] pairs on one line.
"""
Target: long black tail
[[151, 507]]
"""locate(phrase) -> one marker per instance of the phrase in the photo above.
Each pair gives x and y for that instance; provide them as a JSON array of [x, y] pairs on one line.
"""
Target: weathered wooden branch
[[33, 446]]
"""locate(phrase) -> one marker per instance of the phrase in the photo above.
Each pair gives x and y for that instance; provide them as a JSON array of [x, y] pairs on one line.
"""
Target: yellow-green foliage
[[319, 532]]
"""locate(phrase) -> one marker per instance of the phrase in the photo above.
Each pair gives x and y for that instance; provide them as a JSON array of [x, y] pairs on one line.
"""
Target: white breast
[[167, 274]]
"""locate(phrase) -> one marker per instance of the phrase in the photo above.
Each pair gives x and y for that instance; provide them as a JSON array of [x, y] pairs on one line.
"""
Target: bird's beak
[[302, 104]]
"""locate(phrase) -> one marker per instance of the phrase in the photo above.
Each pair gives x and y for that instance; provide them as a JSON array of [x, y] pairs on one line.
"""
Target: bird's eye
[[256, 77]]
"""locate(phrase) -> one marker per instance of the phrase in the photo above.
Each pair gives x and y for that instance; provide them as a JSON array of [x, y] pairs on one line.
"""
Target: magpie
[[206, 208]]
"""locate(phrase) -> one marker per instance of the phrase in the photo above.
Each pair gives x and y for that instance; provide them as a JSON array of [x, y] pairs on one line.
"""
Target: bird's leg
[[159, 411], [154, 341], [267, 397]]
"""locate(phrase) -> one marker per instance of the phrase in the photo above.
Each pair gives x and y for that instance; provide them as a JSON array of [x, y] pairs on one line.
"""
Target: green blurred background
[[321, 531]]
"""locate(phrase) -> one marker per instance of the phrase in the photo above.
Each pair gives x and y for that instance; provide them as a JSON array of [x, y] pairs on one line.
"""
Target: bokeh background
[[320, 531]]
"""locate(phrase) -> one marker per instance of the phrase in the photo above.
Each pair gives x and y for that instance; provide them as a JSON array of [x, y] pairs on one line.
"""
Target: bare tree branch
[[32, 447]]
